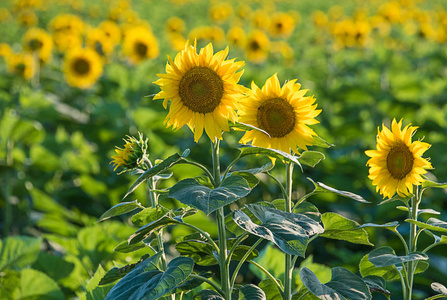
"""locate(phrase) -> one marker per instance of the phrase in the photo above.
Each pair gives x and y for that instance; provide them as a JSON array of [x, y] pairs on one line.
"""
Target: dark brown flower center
[[81, 66], [276, 116], [399, 161], [201, 89], [140, 49], [254, 45], [35, 44]]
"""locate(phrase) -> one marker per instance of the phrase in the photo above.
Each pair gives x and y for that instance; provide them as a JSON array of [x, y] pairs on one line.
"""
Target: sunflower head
[[38, 41], [132, 155], [82, 67], [203, 91], [140, 44], [397, 164], [283, 113]]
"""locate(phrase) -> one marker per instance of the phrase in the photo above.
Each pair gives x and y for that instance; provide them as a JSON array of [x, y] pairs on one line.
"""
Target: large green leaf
[[376, 284], [133, 280], [251, 292], [311, 158], [53, 265], [253, 150], [289, 231], [432, 224], [343, 285], [270, 289], [157, 169], [191, 192], [17, 252], [117, 273], [385, 256], [340, 228], [388, 273], [37, 285], [322, 188], [119, 209], [176, 272], [192, 283], [94, 291]]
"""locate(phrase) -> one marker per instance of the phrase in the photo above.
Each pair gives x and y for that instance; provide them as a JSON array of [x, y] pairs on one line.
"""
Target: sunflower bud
[[132, 155]]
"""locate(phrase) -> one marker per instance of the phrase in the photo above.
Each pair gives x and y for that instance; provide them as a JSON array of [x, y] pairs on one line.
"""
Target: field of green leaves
[[77, 77]]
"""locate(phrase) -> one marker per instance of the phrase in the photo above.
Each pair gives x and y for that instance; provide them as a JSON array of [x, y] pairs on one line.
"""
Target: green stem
[[402, 239], [302, 199], [207, 172], [241, 262], [7, 217], [283, 190], [288, 257], [236, 243], [204, 233], [220, 215], [227, 170], [213, 284], [269, 275], [412, 242]]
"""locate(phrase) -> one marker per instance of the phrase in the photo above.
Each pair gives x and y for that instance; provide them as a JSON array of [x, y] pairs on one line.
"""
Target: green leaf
[[149, 215], [192, 283], [133, 280], [119, 209], [404, 200], [321, 271], [340, 228], [311, 158], [438, 239], [318, 141], [191, 192], [391, 225], [249, 177], [385, 256], [343, 285], [376, 284], [431, 184], [322, 188], [270, 289], [176, 272], [155, 170], [37, 285], [307, 209], [248, 127], [146, 230], [289, 231], [124, 247], [439, 288], [94, 291], [52, 265], [117, 273], [251, 292], [388, 273], [208, 295], [432, 224], [253, 150], [17, 252], [265, 168]]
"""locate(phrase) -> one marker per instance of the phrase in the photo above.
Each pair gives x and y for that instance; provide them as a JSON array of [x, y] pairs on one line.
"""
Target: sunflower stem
[[220, 215], [288, 257], [411, 266]]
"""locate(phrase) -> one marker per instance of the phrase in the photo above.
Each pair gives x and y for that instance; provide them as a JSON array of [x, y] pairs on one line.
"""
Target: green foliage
[[340, 228]]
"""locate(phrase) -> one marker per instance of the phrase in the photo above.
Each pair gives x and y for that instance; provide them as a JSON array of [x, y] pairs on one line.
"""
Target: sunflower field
[[223, 149]]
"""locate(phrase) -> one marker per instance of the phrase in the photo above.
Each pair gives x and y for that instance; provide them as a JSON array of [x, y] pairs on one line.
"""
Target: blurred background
[[77, 76]]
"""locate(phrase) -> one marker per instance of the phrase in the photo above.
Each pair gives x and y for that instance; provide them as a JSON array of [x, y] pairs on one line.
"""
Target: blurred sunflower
[[140, 44], [236, 36], [21, 64], [99, 41], [397, 164], [257, 47], [175, 25], [261, 19], [67, 23], [203, 89], [82, 67], [283, 112], [220, 12], [27, 18], [5, 50], [112, 30], [177, 41], [282, 24], [37, 40], [214, 34]]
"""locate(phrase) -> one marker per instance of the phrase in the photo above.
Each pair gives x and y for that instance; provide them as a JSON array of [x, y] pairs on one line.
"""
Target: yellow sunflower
[[21, 64], [203, 90], [112, 30], [140, 44], [282, 25], [397, 164], [236, 36], [38, 41], [82, 67], [283, 112], [98, 40], [257, 47], [132, 155]]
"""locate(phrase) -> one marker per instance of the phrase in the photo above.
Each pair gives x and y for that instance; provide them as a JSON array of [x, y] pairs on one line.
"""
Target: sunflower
[[282, 25], [175, 25], [132, 155], [112, 30], [99, 41], [236, 36], [38, 41], [82, 67], [282, 112], [397, 164], [21, 64], [257, 47], [203, 90], [140, 44], [5, 50]]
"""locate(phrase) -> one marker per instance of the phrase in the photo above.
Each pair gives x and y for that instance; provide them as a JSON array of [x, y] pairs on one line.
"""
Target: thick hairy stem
[[288, 258]]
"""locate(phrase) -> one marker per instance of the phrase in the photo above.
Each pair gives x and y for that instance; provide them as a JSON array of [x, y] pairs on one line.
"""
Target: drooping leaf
[[318, 141], [251, 292], [177, 271], [439, 288], [155, 170], [343, 285], [253, 150], [311, 158], [289, 231], [191, 192], [432, 224], [432, 184], [340, 228], [385, 256], [208, 295], [404, 200], [133, 280], [119, 209], [322, 188], [390, 225], [17, 252]]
